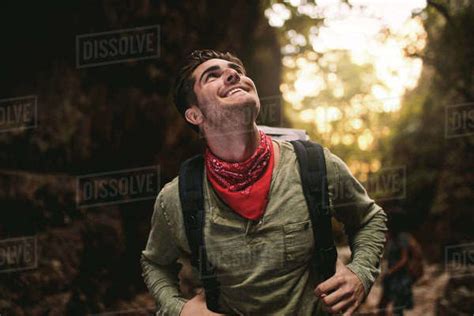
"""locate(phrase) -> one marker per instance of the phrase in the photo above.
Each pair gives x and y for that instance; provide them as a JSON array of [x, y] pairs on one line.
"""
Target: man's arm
[[364, 224], [159, 263]]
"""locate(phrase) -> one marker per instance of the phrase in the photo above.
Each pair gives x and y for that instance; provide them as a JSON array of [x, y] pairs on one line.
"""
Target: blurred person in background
[[404, 266]]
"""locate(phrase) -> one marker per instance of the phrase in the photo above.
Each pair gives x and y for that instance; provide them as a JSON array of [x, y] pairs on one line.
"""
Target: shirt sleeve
[[364, 221], [159, 263]]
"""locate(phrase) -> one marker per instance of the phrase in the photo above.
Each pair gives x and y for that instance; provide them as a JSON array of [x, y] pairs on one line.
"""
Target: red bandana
[[244, 186]]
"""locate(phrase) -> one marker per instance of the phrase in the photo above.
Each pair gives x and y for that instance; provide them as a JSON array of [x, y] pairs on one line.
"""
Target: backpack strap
[[315, 188], [192, 205]]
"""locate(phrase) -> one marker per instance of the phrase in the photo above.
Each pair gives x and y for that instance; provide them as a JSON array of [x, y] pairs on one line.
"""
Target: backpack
[[312, 164]]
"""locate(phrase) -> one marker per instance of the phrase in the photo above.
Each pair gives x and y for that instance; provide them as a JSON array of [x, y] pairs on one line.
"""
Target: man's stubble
[[233, 118]]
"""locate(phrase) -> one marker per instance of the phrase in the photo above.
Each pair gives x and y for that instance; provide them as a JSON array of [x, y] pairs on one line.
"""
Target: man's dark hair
[[183, 92]]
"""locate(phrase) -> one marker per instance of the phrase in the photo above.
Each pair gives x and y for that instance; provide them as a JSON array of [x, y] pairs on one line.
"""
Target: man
[[257, 230]]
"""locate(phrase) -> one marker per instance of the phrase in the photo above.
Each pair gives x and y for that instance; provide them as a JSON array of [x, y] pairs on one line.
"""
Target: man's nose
[[231, 76]]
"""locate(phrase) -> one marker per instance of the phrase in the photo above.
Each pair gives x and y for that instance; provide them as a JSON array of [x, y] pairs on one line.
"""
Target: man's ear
[[194, 115]]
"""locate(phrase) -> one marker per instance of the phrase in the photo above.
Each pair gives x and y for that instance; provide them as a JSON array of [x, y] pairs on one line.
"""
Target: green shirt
[[263, 267]]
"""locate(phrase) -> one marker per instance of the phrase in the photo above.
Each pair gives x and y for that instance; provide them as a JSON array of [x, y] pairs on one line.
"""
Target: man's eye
[[212, 75]]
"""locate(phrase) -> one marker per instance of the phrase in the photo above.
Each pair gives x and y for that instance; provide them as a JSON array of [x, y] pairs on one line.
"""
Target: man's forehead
[[212, 62]]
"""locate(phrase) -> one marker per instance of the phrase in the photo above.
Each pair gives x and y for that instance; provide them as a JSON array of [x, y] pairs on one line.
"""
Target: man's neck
[[234, 146]]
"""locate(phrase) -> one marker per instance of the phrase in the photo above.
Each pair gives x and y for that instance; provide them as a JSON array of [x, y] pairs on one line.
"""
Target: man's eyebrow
[[216, 67], [212, 68], [236, 67]]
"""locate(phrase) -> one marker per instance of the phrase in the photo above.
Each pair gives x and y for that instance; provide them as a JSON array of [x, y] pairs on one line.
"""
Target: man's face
[[225, 94]]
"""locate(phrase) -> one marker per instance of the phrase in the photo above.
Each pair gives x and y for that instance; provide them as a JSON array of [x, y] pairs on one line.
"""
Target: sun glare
[[358, 30]]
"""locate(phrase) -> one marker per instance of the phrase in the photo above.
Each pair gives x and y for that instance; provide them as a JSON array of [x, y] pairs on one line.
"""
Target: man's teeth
[[233, 91]]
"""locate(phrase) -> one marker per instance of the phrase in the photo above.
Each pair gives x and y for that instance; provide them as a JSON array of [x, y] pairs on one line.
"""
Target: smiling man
[[257, 231]]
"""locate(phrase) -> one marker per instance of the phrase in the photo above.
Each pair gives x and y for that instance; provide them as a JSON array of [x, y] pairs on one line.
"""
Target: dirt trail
[[426, 292]]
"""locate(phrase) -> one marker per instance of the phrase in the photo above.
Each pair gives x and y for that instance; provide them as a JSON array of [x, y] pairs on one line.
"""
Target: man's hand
[[342, 293], [197, 306]]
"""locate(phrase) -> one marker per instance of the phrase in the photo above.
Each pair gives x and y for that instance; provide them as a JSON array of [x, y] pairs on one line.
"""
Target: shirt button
[[289, 257]]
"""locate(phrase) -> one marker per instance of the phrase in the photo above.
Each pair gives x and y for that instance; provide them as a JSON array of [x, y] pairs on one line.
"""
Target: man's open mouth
[[235, 90]]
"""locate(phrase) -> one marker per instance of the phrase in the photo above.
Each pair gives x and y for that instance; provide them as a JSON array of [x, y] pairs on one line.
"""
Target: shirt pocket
[[299, 242]]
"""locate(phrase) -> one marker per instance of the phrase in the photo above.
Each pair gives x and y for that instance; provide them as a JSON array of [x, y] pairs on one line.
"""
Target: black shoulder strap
[[192, 205], [315, 188]]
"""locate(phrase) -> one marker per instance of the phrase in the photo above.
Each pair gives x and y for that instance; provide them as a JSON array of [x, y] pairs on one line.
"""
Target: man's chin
[[241, 102]]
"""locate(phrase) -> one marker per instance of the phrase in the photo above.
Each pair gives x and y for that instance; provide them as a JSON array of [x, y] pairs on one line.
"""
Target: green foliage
[[439, 167]]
